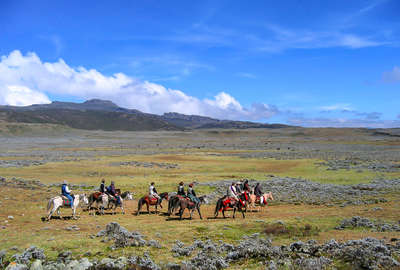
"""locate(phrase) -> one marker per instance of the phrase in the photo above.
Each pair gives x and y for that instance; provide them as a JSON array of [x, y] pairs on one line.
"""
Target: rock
[[10, 217], [36, 265], [82, 264], [16, 266], [64, 256], [29, 254]]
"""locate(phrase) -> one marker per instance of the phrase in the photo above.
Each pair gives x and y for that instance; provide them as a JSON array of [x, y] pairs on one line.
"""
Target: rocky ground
[[368, 253], [33, 166], [292, 190]]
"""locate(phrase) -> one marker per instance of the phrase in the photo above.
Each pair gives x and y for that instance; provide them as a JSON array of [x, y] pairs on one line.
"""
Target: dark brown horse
[[225, 203], [150, 201], [185, 203]]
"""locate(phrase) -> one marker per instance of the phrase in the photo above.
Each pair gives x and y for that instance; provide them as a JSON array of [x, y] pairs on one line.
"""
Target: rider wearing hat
[[65, 191], [192, 194], [181, 189]]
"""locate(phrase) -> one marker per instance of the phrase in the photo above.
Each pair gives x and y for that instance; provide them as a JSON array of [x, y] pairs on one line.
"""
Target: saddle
[[151, 200], [96, 195], [66, 201]]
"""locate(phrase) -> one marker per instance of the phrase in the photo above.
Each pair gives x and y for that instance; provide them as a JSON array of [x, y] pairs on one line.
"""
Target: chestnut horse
[[150, 201], [254, 200]]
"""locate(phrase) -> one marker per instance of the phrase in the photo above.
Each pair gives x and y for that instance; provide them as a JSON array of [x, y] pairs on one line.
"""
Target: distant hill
[[97, 114]]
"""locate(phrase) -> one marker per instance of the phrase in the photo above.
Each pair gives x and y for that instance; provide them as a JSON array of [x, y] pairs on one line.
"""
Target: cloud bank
[[26, 80]]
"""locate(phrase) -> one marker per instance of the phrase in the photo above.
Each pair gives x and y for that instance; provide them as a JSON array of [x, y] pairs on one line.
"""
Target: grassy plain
[[201, 156]]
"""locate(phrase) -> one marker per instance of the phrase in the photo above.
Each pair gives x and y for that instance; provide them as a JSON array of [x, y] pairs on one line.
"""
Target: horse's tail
[[140, 203], [170, 207], [218, 207], [49, 204]]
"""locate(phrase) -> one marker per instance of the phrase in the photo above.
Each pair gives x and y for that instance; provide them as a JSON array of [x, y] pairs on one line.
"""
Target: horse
[[148, 201], [173, 203], [257, 200], [124, 196], [226, 202], [184, 203], [99, 199], [56, 202]]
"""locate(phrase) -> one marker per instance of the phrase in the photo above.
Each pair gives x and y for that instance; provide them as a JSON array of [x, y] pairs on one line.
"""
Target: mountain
[[188, 121], [97, 114]]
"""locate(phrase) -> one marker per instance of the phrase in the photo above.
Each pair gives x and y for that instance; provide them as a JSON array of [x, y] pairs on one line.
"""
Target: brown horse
[[150, 201], [186, 203]]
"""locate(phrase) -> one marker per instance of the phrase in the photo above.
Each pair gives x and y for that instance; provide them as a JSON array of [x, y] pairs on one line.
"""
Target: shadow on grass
[[59, 218]]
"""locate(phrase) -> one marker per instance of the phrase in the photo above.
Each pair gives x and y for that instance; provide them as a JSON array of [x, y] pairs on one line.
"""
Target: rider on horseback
[[192, 194], [102, 188], [246, 186], [239, 187], [181, 189], [112, 193], [258, 192], [232, 192], [67, 193], [153, 192]]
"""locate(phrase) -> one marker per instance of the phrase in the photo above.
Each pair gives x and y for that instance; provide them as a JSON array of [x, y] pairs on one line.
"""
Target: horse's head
[[83, 198], [129, 196], [164, 195], [203, 199]]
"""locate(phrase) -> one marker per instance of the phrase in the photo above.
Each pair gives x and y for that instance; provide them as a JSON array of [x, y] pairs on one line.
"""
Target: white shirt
[[67, 189], [151, 190]]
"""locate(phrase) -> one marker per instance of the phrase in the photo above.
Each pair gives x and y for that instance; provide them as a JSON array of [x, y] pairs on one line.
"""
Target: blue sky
[[309, 63]]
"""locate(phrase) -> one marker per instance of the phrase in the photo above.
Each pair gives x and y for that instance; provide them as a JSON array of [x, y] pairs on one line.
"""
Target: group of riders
[[110, 191], [233, 191]]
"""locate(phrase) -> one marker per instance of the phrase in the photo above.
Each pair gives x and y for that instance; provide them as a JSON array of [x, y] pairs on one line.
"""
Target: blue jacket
[[64, 189]]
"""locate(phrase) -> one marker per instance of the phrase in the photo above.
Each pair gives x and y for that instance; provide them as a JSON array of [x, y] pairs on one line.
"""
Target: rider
[[239, 187], [67, 193], [111, 191], [232, 193], [258, 192], [181, 189], [153, 192], [246, 186], [192, 194], [102, 187]]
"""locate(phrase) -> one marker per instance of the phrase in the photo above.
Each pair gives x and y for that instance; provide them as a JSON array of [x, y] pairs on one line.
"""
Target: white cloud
[[343, 122], [26, 79], [392, 76], [246, 75], [336, 107], [18, 95]]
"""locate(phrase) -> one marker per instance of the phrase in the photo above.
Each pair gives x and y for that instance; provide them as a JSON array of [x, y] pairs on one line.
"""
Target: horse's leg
[[122, 207], [242, 213], [139, 207], [181, 212], [223, 212], [234, 211], [51, 211], [198, 210]]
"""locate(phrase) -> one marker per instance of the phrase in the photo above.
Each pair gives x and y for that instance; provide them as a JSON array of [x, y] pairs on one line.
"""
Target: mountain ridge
[[105, 115]]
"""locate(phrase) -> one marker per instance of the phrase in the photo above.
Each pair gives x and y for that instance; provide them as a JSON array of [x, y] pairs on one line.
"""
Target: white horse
[[56, 202], [113, 201], [263, 200]]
